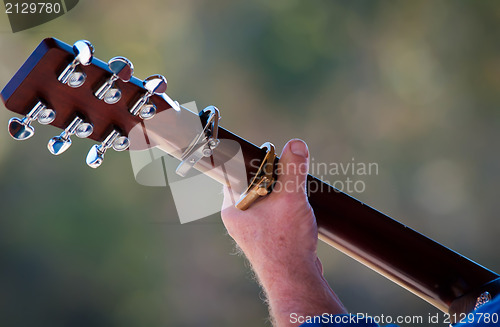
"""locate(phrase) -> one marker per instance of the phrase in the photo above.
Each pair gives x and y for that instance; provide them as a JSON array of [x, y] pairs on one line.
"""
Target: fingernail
[[299, 148]]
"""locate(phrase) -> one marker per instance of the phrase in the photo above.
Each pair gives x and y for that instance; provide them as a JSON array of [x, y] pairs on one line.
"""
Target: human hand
[[278, 234]]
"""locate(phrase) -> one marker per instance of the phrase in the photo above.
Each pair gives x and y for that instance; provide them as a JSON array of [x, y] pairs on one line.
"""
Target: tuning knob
[[61, 143], [21, 129], [118, 142], [71, 75], [154, 84], [122, 69]]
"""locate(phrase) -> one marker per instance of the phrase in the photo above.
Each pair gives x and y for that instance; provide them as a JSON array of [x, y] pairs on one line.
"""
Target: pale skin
[[279, 236]]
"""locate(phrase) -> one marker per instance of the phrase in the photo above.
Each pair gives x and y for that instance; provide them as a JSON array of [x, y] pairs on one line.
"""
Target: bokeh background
[[413, 86]]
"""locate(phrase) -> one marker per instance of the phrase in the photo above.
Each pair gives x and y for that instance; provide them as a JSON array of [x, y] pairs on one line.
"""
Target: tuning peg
[[61, 143], [118, 142], [172, 103], [154, 84], [21, 129], [122, 69], [71, 75]]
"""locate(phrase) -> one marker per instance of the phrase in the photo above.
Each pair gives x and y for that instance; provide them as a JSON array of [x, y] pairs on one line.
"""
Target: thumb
[[293, 167]]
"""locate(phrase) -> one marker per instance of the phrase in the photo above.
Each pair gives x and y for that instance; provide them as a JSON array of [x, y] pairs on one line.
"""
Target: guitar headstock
[[67, 87]]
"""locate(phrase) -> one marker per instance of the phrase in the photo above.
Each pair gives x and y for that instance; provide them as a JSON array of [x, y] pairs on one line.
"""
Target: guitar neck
[[426, 268], [435, 273]]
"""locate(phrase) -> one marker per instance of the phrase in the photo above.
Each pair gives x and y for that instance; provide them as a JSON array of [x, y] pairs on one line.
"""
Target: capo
[[203, 144], [263, 180]]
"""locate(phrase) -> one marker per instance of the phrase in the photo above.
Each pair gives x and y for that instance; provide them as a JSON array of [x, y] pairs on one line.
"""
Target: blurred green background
[[411, 85]]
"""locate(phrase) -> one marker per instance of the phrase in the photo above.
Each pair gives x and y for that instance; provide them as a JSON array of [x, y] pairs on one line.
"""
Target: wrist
[[301, 291]]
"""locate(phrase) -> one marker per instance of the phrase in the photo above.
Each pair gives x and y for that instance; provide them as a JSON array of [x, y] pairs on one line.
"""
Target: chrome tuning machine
[[203, 144], [154, 84], [21, 129], [61, 143], [114, 140], [71, 75], [123, 69]]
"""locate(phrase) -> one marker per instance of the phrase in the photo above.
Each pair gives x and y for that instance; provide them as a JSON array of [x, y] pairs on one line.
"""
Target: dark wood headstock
[[37, 80], [172, 131]]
